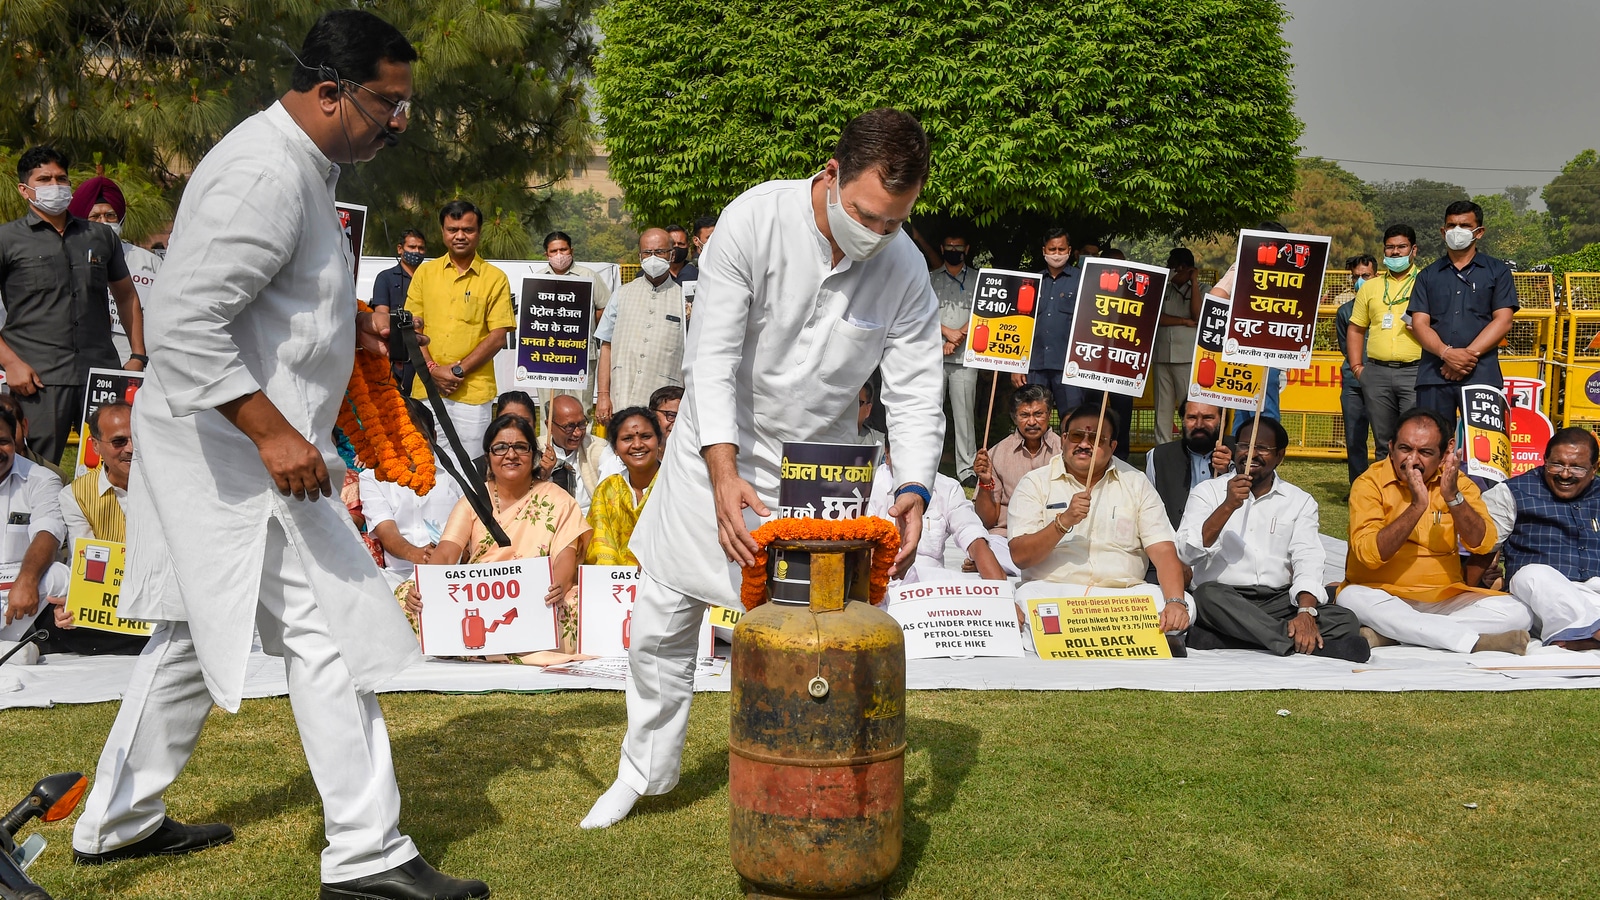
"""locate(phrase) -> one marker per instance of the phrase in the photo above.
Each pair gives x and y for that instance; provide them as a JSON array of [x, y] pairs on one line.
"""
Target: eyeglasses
[[667, 415], [661, 253], [399, 109], [1082, 436], [117, 442], [1263, 451], [574, 428], [104, 218], [1569, 471], [521, 448]]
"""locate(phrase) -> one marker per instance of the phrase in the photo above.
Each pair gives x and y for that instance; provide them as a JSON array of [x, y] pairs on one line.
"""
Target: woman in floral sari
[[635, 435], [540, 518]]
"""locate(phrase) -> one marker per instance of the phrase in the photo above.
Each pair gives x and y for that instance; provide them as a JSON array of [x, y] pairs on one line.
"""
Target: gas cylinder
[[473, 632], [1025, 295], [1109, 279], [1207, 371], [980, 337], [816, 763]]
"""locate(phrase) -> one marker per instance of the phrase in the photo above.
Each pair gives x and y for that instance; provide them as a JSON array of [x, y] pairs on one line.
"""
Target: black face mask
[[680, 255], [955, 257]]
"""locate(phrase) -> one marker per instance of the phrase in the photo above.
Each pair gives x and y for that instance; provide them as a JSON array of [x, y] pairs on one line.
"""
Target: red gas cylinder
[[816, 768], [1025, 295], [473, 632], [1206, 372], [1266, 254], [1109, 279], [980, 337]]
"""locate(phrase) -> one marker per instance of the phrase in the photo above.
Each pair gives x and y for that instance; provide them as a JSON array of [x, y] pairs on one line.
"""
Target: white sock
[[611, 808]]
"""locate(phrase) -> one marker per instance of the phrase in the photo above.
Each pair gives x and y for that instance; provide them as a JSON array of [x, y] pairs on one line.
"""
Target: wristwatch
[[140, 357], [1460, 499], [1310, 611], [457, 371]]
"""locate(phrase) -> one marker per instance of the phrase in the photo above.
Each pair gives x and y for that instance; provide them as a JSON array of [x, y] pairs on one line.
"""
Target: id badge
[[1388, 321]]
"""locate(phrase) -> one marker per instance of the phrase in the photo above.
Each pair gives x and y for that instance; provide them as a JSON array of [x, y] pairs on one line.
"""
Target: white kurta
[[255, 294], [779, 346], [950, 515]]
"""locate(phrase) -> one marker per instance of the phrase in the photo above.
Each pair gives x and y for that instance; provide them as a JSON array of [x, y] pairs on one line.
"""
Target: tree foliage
[[1419, 203], [596, 237], [1573, 198], [153, 84], [1328, 200], [1107, 117], [1523, 237]]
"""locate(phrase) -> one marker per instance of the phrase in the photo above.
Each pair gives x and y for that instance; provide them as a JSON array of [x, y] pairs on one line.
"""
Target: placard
[[485, 609], [605, 612], [104, 386], [1276, 288], [93, 593], [1000, 328], [826, 481], [1482, 439], [1114, 626], [353, 222], [1114, 326], [956, 618], [22, 626], [1531, 430], [1212, 380], [554, 319]]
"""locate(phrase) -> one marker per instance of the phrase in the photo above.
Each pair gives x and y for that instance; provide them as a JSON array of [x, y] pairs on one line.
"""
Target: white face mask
[[52, 199], [1057, 260], [116, 227], [1459, 237], [654, 266], [560, 262], [858, 242]]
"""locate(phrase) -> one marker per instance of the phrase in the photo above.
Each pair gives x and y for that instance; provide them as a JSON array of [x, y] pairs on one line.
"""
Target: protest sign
[[1114, 326], [605, 612], [1000, 328], [353, 222], [483, 609], [105, 386], [956, 618], [96, 587], [8, 576], [1114, 626], [553, 324], [1211, 380], [826, 481], [1277, 284], [1483, 443], [1530, 429]]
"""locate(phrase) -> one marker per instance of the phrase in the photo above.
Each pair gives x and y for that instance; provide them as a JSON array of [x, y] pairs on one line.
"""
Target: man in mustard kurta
[[1408, 516], [466, 310]]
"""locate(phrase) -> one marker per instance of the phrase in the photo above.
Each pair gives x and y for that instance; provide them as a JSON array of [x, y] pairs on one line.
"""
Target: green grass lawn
[[1110, 794]]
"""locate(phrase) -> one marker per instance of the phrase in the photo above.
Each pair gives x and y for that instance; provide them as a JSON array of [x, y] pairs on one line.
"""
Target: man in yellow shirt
[[466, 310], [1386, 365], [1403, 574]]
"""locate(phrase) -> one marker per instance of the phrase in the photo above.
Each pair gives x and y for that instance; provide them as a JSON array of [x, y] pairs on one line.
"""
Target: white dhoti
[[1566, 610], [342, 730], [661, 664], [1453, 624]]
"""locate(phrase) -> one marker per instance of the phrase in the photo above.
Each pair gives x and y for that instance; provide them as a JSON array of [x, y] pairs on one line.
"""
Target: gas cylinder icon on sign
[[980, 337], [1480, 447], [627, 630], [1049, 618], [473, 632], [1266, 254], [1109, 279], [1025, 299], [1206, 372]]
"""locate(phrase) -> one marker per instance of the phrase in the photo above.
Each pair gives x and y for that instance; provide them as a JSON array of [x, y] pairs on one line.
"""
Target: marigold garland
[[753, 590], [378, 426]]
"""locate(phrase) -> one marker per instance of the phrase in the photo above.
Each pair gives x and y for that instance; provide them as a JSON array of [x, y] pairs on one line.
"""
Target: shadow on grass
[[953, 750]]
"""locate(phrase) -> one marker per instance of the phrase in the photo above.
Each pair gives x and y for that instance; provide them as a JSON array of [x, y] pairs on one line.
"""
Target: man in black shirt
[[1461, 307], [55, 270], [389, 289]]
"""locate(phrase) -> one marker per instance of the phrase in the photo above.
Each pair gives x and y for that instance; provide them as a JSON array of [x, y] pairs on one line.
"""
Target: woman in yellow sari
[[540, 518], [635, 435]]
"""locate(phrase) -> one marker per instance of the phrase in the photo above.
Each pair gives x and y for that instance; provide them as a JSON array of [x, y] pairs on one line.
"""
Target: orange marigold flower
[[753, 588]]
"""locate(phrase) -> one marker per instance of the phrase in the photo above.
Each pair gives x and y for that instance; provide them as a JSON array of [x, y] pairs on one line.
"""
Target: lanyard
[[1405, 292]]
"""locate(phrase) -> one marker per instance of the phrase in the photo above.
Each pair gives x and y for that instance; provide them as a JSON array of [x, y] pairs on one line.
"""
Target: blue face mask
[[1397, 264], [1360, 280]]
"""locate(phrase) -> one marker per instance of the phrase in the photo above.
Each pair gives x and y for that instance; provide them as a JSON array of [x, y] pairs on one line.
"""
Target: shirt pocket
[[99, 281], [852, 352], [38, 273]]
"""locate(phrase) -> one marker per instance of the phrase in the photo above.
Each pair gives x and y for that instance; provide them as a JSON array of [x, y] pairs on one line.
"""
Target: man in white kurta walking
[[254, 327], [806, 287]]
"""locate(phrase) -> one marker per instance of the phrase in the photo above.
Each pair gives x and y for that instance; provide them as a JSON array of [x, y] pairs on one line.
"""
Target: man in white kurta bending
[[806, 287], [254, 326]]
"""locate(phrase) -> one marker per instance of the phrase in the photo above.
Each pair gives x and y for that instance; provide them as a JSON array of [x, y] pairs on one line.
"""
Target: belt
[[1390, 364]]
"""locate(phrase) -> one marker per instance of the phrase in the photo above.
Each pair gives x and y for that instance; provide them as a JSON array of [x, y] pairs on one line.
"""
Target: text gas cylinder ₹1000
[[816, 768]]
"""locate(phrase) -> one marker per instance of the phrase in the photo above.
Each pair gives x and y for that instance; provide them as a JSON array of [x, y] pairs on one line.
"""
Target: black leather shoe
[[171, 838], [413, 880]]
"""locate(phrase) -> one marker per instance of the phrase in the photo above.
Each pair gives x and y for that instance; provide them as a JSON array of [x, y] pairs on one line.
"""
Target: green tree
[[595, 235], [1509, 234], [154, 84], [1419, 203], [1331, 201], [1116, 118], [1574, 200]]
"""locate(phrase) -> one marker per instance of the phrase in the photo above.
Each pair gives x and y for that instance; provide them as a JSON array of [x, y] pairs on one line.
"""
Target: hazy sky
[[1507, 84]]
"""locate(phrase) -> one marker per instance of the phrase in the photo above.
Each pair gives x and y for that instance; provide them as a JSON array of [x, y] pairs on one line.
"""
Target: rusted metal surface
[[816, 784]]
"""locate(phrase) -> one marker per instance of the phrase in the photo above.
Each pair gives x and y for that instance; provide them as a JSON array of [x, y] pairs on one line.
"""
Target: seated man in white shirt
[[31, 510], [406, 525], [1257, 556], [576, 460], [949, 515], [92, 507], [1101, 532]]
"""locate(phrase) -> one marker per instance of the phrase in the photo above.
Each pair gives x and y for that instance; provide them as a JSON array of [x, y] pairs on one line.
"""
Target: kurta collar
[[845, 262], [280, 118], [1058, 469]]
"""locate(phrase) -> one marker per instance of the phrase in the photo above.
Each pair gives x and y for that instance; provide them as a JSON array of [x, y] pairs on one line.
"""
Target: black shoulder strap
[[472, 488]]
